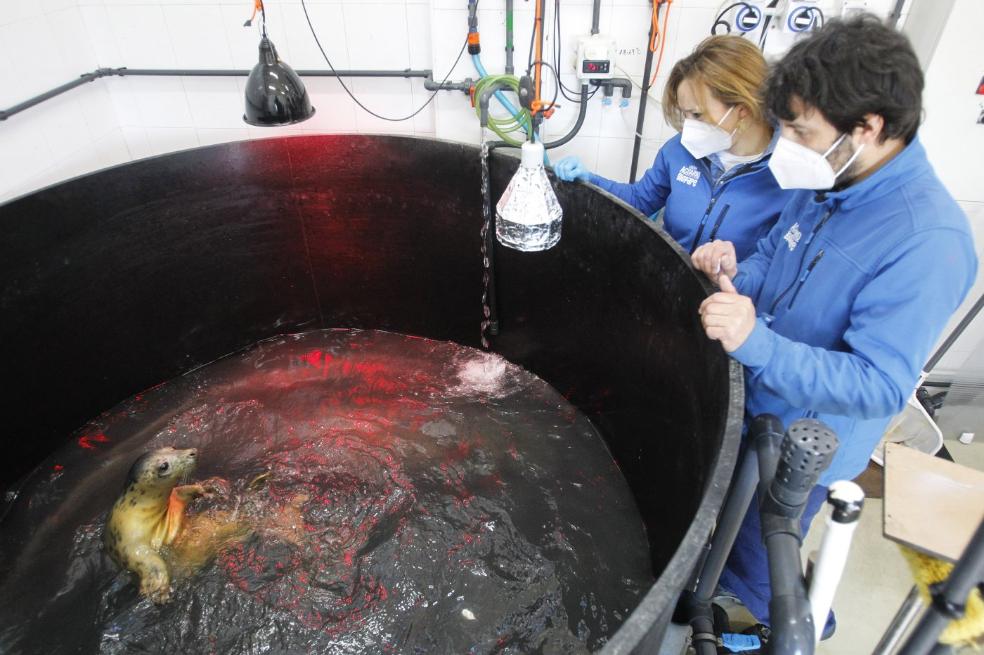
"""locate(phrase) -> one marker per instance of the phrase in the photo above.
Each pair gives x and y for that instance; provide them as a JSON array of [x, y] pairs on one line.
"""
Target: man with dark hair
[[835, 314]]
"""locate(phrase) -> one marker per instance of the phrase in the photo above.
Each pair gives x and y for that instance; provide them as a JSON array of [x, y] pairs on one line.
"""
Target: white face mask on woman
[[797, 167], [703, 139]]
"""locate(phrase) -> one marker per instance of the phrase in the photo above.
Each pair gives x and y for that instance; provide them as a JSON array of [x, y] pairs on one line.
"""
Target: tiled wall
[[43, 43], [115, 120], [133, 117]]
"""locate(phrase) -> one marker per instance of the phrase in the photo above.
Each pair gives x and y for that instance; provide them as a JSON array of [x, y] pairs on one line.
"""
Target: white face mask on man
[[703, 139], [797, 167]]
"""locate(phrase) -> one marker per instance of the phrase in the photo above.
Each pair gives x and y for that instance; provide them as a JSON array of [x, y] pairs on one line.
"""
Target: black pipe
[[490, 241], [47, 95], [577, 125], [949, 598], [642, 105], [178, 72], [485, 97], [765, 434], [791, 617], [608, 86], [595, 16], [806, 451]]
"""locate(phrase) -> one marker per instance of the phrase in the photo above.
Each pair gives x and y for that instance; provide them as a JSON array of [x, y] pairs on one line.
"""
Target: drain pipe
[[509, 37], [85, 78], [642, 107]]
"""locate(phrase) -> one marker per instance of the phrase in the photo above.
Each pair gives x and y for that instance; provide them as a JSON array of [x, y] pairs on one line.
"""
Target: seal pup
[[148, 516]]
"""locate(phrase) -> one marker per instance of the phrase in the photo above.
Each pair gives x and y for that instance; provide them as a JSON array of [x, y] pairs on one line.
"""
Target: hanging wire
[[564, 90], [356, 100]]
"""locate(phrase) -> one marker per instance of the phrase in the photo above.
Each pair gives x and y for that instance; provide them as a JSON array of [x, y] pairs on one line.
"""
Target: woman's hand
[[716, 258], [570, 168]]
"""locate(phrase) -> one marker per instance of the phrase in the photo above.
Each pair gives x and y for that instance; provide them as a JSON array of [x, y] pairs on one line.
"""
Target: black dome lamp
[[275, 94]]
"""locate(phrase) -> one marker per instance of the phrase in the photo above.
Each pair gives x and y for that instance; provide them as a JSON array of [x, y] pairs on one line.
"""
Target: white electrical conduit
[[846, 499]]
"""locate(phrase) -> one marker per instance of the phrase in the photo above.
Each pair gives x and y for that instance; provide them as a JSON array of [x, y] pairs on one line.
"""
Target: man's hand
[[716, 258], [727, 316]]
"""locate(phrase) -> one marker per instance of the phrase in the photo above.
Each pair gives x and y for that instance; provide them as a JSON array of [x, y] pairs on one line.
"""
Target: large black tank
[[149, 269]]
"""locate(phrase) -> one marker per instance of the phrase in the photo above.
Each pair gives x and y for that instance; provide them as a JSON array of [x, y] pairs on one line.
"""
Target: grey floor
[[877, 578]]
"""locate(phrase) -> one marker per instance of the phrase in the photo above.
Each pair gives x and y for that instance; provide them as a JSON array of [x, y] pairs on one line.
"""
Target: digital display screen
[[597, 66]]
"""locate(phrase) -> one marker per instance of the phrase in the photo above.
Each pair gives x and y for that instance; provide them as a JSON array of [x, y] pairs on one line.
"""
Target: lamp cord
[[356, 100]]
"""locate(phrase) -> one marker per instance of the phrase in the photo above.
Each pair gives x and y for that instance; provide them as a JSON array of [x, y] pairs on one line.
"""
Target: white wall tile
[[171, 139], [30, 40], [141, 35], [98, 108], [55, 6], [102, 39], [455, 118], [24, 154], [16, 11], [630, 27], [72, 41], [64, 126], [376, 35], [449, 35], [124, 100], [110, 150], [419, 35], [386, 97], [209, 136], [330, 27], [198, 36], [214, 102], [614, 157], [137, 143], [334, 110], [162, 101]]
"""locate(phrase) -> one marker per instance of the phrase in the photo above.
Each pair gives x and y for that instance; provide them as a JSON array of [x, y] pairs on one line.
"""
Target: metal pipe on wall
[[179, 72]]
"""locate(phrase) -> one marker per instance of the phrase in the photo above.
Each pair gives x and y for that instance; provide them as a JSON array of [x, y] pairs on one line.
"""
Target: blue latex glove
[[570, 168]]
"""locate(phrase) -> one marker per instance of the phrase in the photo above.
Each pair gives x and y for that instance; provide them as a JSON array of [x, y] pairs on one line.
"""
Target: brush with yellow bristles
[[928, 571]]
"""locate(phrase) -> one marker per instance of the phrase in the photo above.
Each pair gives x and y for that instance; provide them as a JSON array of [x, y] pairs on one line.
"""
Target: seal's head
[[162, 468]]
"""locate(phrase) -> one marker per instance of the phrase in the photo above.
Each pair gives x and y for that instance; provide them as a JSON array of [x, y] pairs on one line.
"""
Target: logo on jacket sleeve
[[793, 236], [688, 175]]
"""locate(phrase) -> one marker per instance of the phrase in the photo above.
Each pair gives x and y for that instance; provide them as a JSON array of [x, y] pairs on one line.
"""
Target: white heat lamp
[[528, 216]]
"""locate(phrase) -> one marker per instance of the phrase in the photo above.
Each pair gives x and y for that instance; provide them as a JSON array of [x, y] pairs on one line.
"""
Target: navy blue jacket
[[852, 289], [703, 202]]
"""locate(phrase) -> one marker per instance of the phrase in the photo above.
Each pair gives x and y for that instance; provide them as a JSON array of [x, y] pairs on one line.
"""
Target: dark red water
[[414, 497]]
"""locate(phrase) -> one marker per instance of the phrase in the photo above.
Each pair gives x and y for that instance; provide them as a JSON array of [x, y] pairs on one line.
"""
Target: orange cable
[[663, 34], [538, 38]]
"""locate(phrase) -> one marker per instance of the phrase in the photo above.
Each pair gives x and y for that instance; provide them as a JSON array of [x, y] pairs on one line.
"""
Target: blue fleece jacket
[[702, 201], [852, 289]]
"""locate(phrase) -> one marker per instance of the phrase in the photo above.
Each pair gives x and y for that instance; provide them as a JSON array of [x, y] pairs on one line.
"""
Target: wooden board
[[931, 504]]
